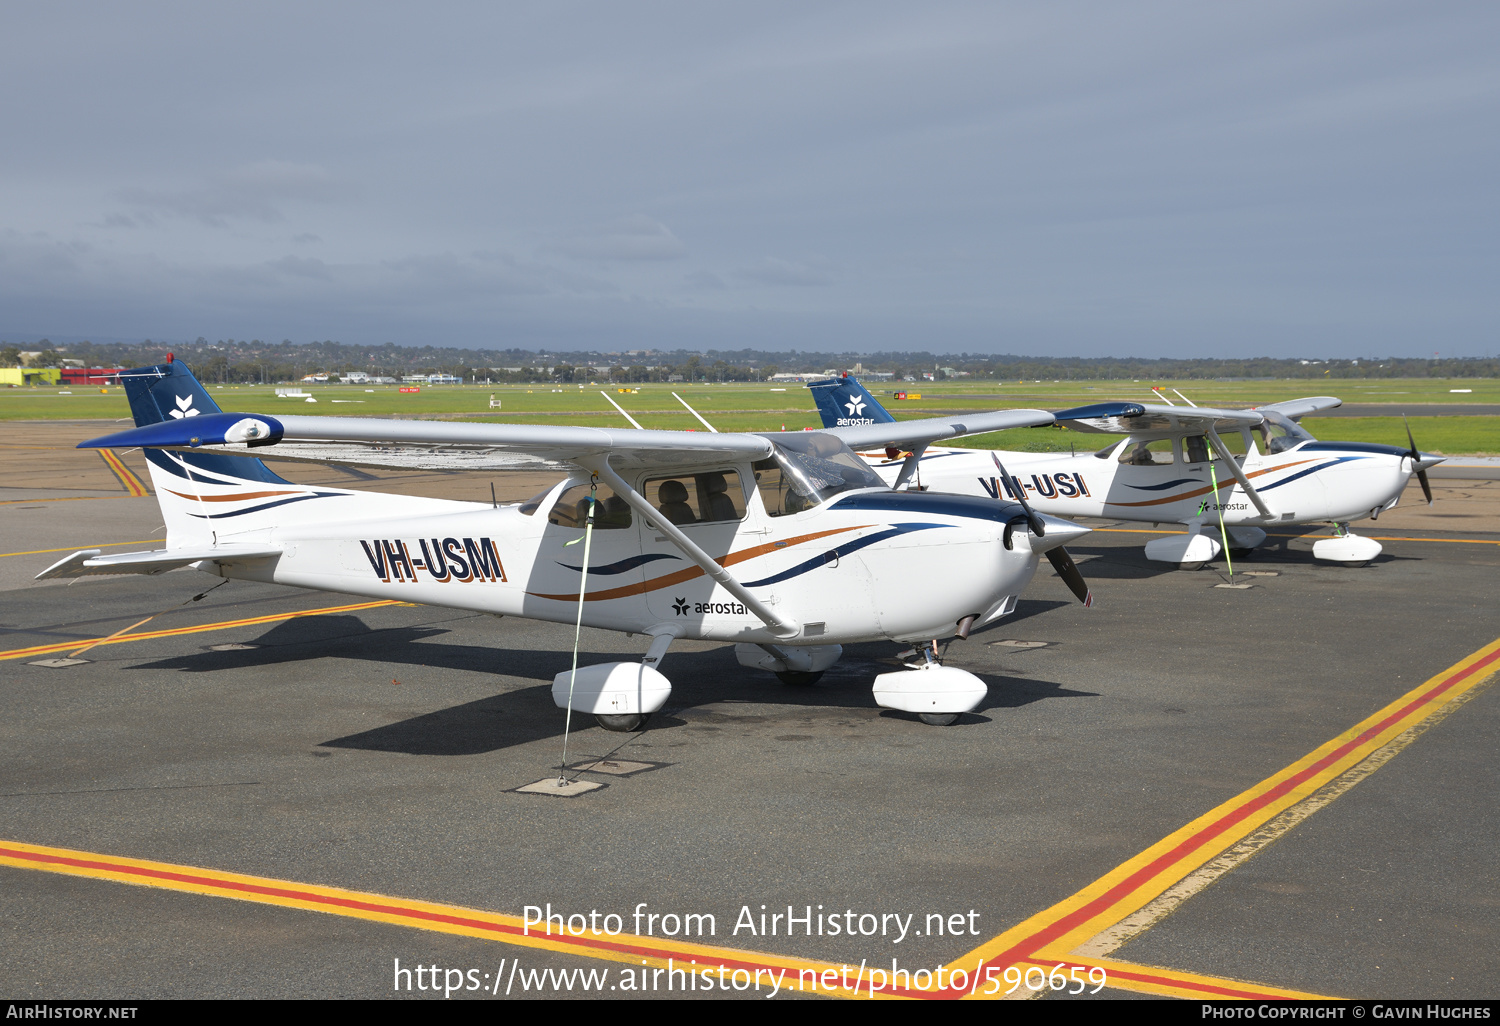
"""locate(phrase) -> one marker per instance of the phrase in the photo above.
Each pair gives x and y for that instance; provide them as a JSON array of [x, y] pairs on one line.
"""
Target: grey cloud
[[774, 271], [629, 238], [256, 192], [302, 267], [705, 280]]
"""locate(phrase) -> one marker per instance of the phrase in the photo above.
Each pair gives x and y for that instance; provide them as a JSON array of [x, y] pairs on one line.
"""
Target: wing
[[1296, 409], [912, 433], [434, 445], [1156, 420]]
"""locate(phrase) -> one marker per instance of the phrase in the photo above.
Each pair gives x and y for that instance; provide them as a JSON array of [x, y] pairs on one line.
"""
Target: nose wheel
[[799, 678], [622, 723]]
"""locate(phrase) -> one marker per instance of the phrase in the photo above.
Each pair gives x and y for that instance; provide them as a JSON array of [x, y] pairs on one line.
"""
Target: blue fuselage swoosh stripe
[[623, 565], [1163, 487], [1309, 470], [843, 550]]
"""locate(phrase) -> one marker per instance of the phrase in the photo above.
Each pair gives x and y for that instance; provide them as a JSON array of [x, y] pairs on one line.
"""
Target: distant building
[[355, 378], [91, 375], [17, 377], [789, 378], [443, 379]]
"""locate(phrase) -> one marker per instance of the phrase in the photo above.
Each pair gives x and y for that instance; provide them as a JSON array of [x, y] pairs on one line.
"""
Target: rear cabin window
[[715, 497], [1198, 449]]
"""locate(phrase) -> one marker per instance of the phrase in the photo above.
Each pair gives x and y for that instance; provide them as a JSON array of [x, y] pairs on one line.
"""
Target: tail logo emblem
[[184, 408], [856, 406]]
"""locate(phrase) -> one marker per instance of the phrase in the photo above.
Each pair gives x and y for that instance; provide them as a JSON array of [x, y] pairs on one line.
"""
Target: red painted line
[[398, 911], [1026, 949]]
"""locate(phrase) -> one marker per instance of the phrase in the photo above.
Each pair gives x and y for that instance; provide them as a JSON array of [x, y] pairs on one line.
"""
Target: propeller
[[1057, 556], [1416, 462]]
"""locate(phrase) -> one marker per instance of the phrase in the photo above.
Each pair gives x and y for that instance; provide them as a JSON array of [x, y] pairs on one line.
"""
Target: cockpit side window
[[1281, 433], [572, 509], [807, 469], [1159, 452]]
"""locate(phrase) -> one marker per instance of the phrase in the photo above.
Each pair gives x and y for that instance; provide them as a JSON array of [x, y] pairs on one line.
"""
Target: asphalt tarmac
[[375, 751]]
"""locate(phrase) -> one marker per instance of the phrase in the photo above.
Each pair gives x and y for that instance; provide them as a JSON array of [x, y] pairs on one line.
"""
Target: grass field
[[759, 407]]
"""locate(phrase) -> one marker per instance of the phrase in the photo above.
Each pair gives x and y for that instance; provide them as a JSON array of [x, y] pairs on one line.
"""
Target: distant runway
[[1412, 410]]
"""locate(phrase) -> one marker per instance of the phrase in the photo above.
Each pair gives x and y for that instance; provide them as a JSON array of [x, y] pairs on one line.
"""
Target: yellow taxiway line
[[132, 484], [1051, 936], [171, 632], [79, 548]]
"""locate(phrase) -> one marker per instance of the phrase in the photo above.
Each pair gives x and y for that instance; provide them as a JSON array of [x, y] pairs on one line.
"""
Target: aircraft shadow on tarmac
[[525, 714]]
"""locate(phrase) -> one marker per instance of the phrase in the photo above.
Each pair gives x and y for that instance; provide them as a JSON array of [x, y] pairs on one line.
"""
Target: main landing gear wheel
[[1241, 553], [622, 722], [1193, 566], [939, 719], [799, 678]]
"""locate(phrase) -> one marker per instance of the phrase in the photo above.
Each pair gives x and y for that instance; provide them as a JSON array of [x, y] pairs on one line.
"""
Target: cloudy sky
[[1154, 179]]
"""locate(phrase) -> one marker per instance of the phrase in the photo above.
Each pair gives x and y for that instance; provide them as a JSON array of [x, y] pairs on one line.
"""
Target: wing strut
[[1239, 475], [780, 626], [909, 467]]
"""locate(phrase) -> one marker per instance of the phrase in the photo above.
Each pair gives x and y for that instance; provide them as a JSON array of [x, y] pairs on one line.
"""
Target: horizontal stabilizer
[[90, 563]]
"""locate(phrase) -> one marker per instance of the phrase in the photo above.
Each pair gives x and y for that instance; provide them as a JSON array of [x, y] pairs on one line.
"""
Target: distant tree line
[[245, 361]]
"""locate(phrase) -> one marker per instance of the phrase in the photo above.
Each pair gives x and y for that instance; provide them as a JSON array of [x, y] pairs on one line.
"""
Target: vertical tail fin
[[844, 401], [169, 391], [196, 491]]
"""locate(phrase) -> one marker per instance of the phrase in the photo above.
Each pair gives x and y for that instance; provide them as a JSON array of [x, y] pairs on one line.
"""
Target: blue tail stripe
[[266, 505]]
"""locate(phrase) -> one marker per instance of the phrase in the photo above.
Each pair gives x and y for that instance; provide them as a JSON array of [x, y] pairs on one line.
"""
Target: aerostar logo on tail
[[855, 406], [184, 408]]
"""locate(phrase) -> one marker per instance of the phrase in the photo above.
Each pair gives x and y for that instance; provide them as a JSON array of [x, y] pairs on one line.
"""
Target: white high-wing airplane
[[1180, 464], [785, 544]]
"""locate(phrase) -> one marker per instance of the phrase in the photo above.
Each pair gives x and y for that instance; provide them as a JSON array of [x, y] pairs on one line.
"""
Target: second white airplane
[[1189, 465]]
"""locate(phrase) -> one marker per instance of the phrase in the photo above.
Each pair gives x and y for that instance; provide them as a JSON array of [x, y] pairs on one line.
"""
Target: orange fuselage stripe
[[677, 577]]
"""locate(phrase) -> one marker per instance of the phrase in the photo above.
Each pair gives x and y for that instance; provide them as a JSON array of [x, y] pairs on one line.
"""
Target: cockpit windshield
[[1280, 432], [812, 467]]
